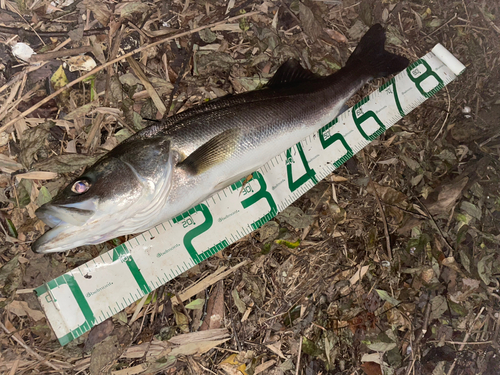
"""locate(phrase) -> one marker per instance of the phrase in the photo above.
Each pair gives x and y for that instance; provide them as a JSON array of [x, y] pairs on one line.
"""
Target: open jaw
[[70, 228]]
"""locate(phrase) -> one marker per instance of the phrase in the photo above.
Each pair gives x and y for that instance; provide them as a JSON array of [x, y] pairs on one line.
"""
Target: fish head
[[117, 195]]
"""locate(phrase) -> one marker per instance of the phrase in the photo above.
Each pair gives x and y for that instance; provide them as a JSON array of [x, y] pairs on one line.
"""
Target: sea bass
[[163, 170]]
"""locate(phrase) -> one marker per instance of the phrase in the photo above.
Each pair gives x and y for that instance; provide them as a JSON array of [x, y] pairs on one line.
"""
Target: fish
[[166, 168]]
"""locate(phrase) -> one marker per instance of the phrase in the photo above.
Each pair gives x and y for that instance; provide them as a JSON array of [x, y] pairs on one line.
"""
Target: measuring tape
[[102, 287]]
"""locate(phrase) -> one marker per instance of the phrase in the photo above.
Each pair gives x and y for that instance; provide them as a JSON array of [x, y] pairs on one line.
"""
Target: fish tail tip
[[371, 54]]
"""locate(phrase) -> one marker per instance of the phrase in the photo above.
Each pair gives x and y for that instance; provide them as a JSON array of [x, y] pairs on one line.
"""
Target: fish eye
[[80, 187]]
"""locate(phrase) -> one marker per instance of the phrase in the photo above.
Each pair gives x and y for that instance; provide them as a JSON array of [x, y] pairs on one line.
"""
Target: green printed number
[[262, 193], [421, 71], [359, 117], [186, 220], [391, 89], [309, 175], [73, 286], [123, 254], [327, 139]]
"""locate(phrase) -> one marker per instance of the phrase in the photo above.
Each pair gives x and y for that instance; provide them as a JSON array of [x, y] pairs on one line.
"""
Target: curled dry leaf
[[295, 217], [82, 63], [33, 140], [66, 163]]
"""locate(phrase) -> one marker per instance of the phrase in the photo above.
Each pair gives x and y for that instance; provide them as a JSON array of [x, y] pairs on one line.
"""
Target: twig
[[62, 53], [47, 34], [183, 308], [29, 350], [450, 371], [429, 215], [120, 58], [497, 329], [423, 331], [182, 70], [466, 343], [235, 332], [440, 27], [382, 214], [298, 358], [290, 12], [447, 114]]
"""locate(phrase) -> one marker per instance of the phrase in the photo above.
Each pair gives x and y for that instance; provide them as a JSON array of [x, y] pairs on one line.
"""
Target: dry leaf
[[82, 63], [276, 348], [100, 10], [312, 26], [447, 196], [21, 308], [371, 368]]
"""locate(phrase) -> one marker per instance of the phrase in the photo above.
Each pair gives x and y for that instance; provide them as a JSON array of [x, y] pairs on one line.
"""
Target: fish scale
[[93, 292]]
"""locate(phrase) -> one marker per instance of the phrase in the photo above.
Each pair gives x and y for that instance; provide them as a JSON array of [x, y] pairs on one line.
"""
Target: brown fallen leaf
[[215, 308], [21, 308], [371, 368], [98, 333], [447, 196]]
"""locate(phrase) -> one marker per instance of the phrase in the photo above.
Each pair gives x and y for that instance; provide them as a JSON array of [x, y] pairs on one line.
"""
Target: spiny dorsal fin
[[211, 153], [290, 72]]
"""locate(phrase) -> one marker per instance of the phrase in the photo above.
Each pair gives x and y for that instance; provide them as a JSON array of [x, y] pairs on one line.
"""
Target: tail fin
[[373, 58]]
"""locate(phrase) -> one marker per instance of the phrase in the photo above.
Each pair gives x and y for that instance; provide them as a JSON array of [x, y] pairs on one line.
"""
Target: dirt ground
[[397, 268]]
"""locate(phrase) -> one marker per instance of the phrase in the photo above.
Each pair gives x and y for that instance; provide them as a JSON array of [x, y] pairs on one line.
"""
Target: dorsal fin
[[290, 72]]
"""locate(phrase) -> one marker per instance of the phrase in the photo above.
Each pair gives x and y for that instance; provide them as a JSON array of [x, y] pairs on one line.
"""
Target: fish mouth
[[54, 215], [67, 224], [55, 240]]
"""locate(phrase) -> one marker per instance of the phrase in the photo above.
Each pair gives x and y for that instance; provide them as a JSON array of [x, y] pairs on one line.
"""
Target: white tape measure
[[91, 293]]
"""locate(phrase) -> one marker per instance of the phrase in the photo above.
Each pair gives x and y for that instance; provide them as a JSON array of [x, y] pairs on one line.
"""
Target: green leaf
[[290, 245], [244, 25], [238, 302], [386, 297], [43, 196], [471, 209], [457, 308], [59, 78], [310, 347], [438, 306], [23, 193], [484, 268], [12, 228], [382, 346], [197, 304], [436, 22]]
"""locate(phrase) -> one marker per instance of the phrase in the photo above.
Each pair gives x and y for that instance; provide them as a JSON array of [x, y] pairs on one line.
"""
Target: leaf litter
[[314, 290]]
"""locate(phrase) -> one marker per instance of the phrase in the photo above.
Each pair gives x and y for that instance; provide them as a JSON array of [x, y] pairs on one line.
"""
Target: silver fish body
[[165, 169]]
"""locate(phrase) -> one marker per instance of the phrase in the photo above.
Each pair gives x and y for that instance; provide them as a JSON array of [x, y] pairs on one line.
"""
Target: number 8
[[423, 76]]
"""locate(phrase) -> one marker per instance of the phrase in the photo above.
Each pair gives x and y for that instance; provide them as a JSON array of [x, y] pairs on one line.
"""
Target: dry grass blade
[[149, 87]]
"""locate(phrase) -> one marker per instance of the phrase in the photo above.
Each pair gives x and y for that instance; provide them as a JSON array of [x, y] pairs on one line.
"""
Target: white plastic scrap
[[22, 51]]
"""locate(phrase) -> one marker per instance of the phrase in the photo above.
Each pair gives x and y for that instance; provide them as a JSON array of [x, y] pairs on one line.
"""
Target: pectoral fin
[[215, 151]]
